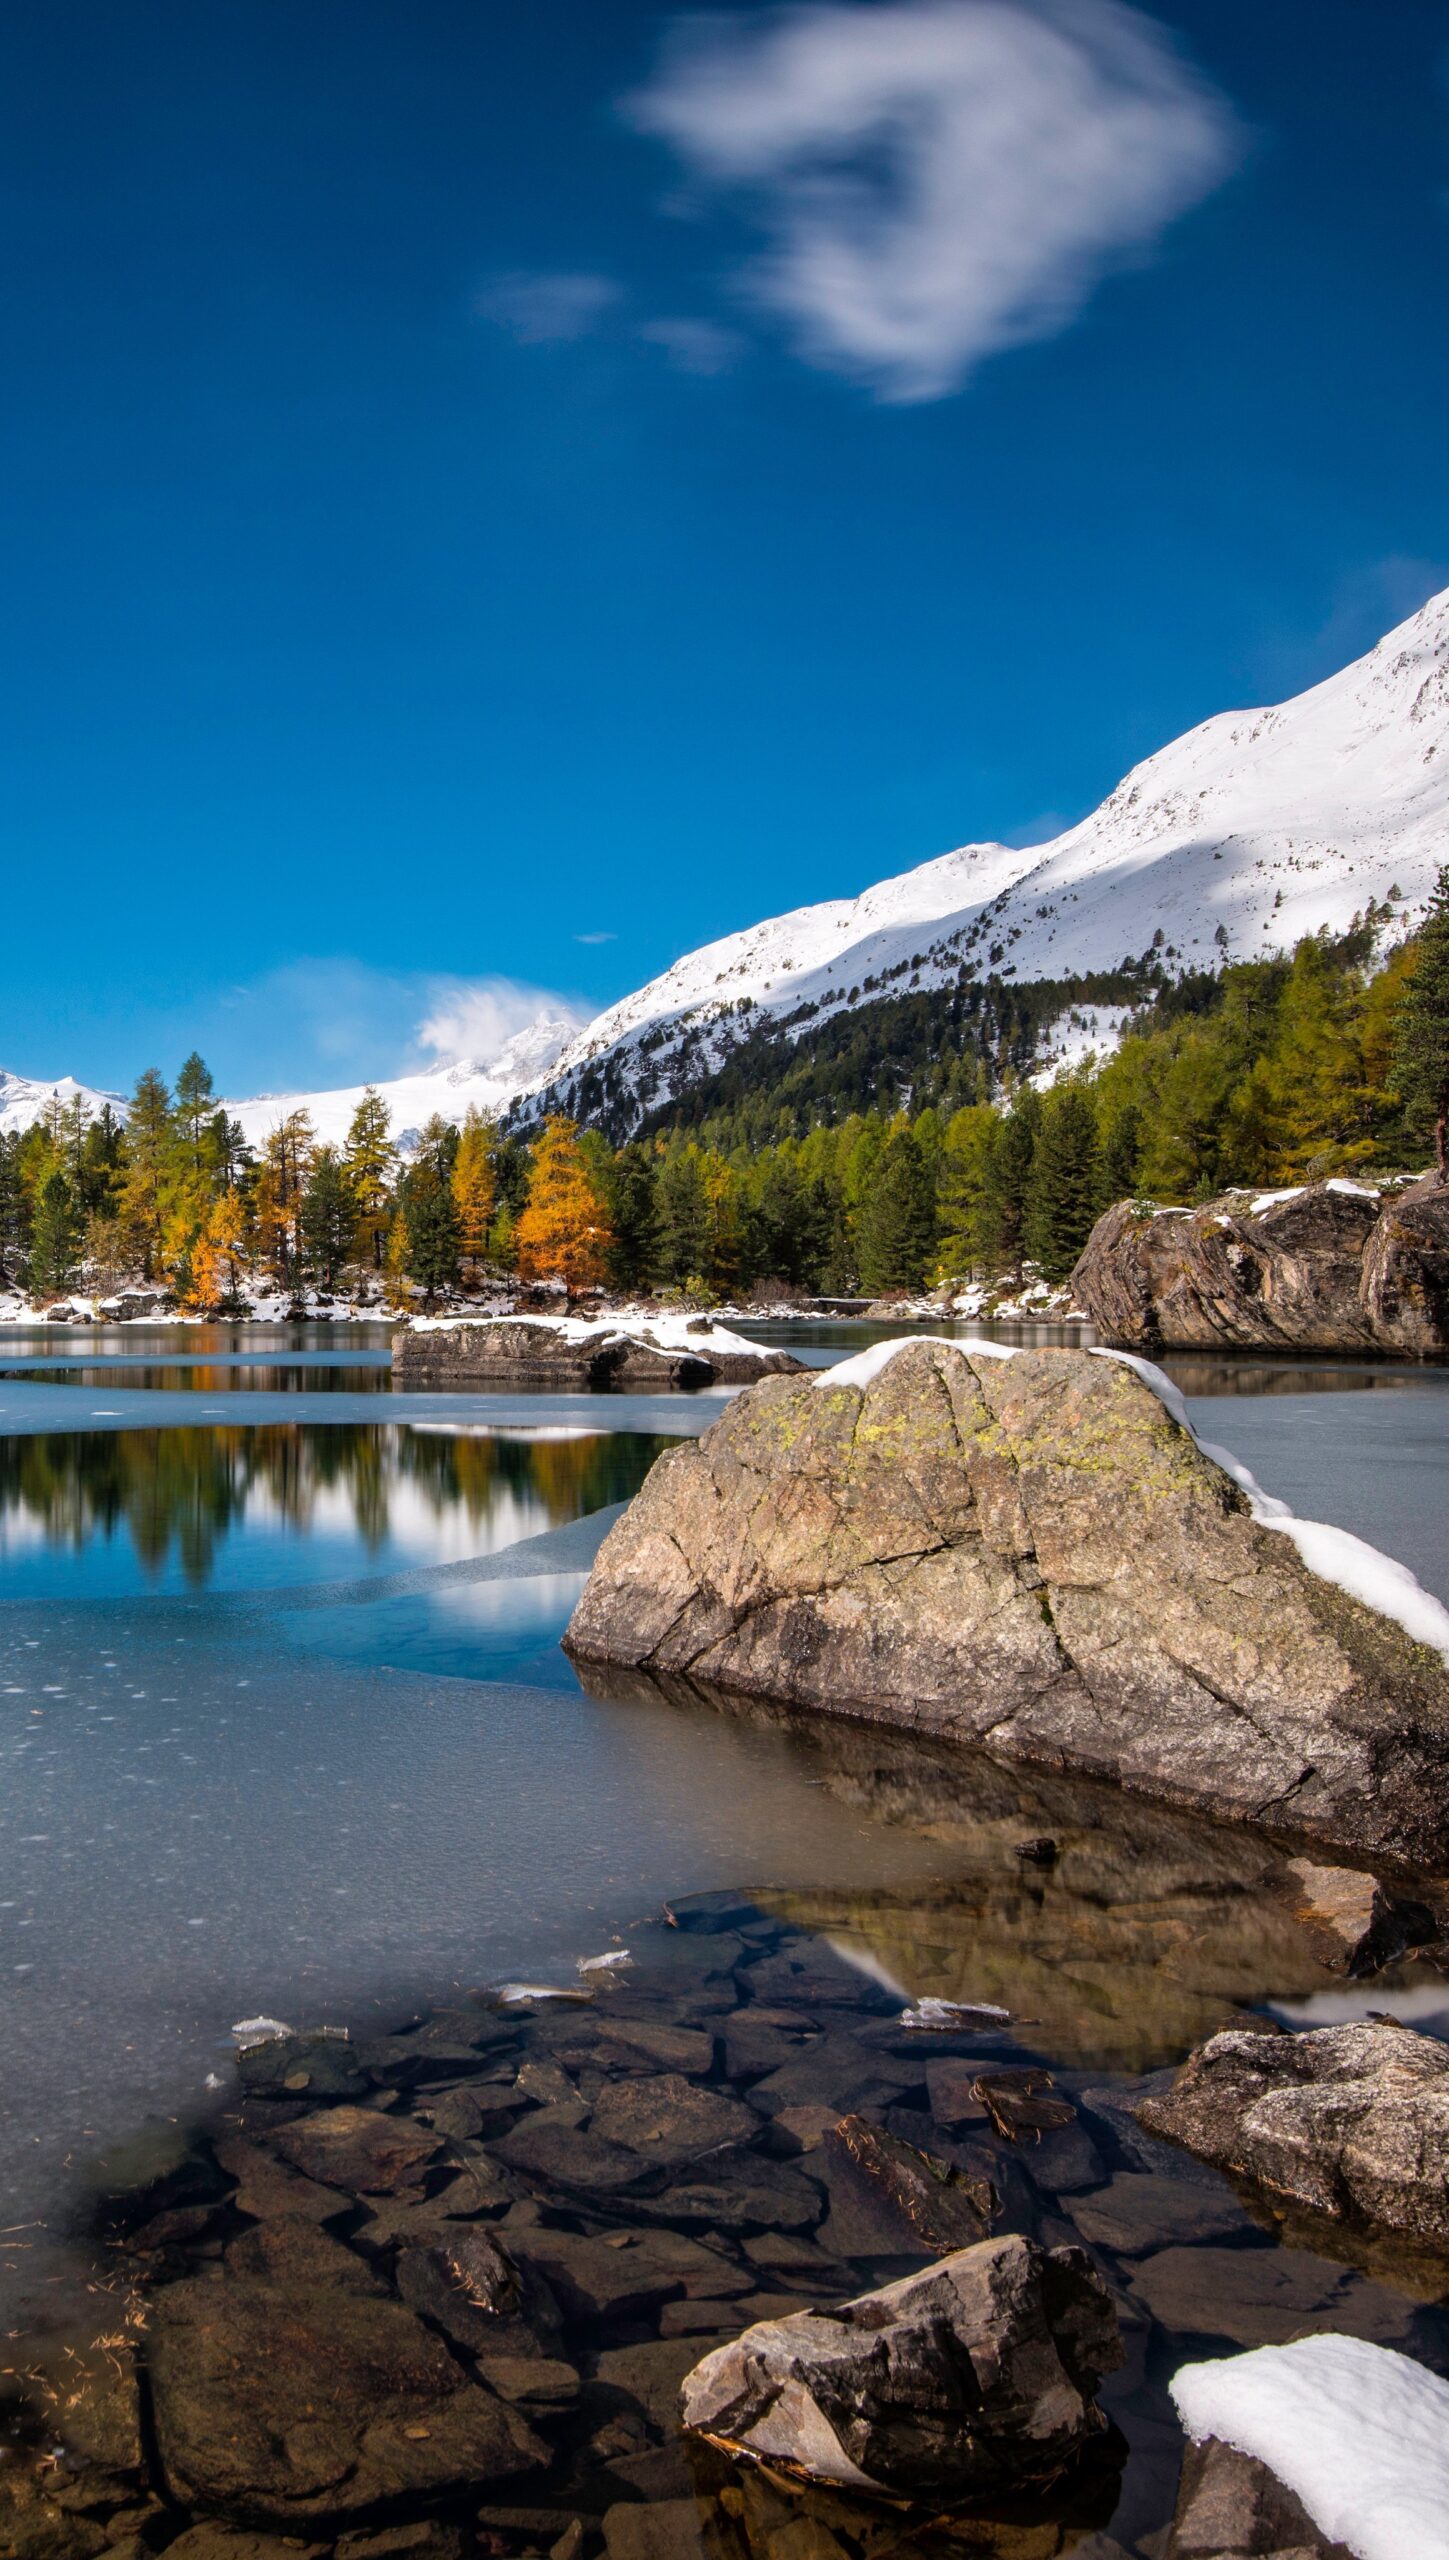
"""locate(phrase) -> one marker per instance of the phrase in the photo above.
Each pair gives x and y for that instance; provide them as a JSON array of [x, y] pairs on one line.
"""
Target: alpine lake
[[286, 1732]]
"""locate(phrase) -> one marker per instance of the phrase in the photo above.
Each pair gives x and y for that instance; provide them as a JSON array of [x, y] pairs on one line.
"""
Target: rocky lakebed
[[1081, 2192]]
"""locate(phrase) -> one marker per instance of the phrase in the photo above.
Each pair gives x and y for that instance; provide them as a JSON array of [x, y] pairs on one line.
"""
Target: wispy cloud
[[473, 1018], [695, 346], [936, 179], [596, 937], [543, 309]]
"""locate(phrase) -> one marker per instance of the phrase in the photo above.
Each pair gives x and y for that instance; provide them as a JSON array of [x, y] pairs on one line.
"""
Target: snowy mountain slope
[[1231, 843], [1253, 829], [412, 1100], [23, 1100]]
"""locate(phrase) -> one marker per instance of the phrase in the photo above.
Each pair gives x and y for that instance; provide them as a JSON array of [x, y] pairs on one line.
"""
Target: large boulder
[[1032, 1554], [973, 2377], [1352, 2122], [1328, 1266]]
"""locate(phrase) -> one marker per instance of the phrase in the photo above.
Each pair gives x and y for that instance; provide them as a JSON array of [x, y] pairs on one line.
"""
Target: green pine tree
[[1421, 1032], [328, 1217], [1065, 1194], [54, 1237], [896, 1220]]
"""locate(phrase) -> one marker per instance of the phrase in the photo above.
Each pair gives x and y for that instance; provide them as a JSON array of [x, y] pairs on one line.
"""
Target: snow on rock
[[865, 1366], [1359, 2433], [1380, 1582], [668, 1332]]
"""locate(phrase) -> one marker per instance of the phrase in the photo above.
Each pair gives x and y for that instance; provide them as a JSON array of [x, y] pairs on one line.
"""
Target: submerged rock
[[1356, 1925], [1031, 1553], [972, 2377], [1349, 2121], [1326, 1266]]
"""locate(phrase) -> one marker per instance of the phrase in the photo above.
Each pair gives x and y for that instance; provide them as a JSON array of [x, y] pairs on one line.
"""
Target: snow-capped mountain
[[1250, 831], [522, 1063], [23, 1100], [1230, 844]]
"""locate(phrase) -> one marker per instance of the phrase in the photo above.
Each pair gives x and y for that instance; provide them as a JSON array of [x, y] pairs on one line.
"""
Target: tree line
[[1271, 1071]]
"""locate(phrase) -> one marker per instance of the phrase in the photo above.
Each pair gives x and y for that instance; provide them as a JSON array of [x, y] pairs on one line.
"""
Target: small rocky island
[[1328, 1266], [630, 1353], [1029, 1551]]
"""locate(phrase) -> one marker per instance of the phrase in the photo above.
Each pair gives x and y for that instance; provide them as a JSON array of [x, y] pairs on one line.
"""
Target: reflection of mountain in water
[[182, 1490], [1146, 1934]]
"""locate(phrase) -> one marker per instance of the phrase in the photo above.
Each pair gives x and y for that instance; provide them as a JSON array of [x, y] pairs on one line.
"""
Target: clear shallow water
[[284, 1727]]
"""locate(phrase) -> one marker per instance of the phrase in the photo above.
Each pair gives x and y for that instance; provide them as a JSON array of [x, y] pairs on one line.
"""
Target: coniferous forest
[[893, 1149]]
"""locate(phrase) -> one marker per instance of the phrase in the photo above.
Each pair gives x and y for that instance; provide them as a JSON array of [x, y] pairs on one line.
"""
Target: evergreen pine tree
[[53, 1237], [1122, 1153], [1421, 1032], [1007, 1182], [896, 1221], [327, 1217], [1065, 1192], [634, 1252], [142, 1201], [682, 1218], [432, 1229], [195, 1106]]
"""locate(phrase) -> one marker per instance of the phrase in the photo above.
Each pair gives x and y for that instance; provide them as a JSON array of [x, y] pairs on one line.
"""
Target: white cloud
[[596, 937], [695, 346], [540, 309], [473, 1018], [937, 179]]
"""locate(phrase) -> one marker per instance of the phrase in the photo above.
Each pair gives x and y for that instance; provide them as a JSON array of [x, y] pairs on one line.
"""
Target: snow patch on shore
[[1359, 2433], [1380, 1582]]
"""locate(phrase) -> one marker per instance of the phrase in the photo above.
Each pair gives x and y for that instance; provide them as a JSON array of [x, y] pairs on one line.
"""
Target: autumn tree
[[1421, 1032], [474, 1186], [218, 1257], [281, 1183], [564, 1232]]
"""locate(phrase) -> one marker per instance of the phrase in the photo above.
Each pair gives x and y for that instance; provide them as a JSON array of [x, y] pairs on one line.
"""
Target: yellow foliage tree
[[218, 1256], [475, 1186], [564, 1232], [399, 1245]]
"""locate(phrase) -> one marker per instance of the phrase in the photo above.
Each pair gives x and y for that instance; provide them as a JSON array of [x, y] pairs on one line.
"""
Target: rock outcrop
[[1352, 2122], [1230, 2507], [1031, 1554], [1332, 1266], [972, 2377], [552, 1352]]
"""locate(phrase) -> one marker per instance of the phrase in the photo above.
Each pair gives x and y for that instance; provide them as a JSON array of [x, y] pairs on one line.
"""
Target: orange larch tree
[[564, 1232]]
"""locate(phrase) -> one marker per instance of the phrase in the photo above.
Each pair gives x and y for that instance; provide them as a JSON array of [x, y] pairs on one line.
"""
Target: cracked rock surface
[[1350, 2121], [1320, 1267], [1029, 1554]]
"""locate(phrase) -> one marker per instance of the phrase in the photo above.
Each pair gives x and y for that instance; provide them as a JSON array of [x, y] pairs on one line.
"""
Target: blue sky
[[495, 497]]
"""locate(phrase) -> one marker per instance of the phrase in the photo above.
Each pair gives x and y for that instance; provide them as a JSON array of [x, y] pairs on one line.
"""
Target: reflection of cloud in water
[[1426, 2007]]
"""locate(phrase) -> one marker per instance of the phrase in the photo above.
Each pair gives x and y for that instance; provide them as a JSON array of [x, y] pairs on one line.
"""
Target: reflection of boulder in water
[[1148, 1931], [759, 2514]]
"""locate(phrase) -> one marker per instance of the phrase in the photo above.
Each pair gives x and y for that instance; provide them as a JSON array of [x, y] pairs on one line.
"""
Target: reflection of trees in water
[[181, 1490]]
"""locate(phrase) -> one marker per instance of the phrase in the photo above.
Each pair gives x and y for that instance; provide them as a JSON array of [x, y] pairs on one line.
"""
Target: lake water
[[284, 1727]]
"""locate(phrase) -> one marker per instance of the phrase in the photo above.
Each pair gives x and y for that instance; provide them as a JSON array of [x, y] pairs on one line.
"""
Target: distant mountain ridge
[[1253, 829]]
